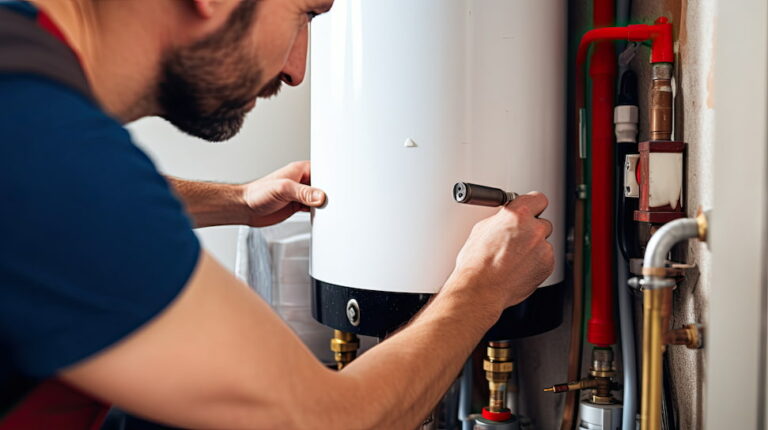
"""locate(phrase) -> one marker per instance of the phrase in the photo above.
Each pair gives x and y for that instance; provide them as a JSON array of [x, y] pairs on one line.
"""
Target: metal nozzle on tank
[[344, 346], [481, 195]]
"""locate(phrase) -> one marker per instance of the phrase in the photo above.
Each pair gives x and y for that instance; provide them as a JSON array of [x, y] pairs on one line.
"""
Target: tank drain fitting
[[498, 366], [344, 346]]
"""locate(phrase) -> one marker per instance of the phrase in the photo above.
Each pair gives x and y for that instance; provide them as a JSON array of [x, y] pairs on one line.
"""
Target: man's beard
[[185, 97], [207, 89]]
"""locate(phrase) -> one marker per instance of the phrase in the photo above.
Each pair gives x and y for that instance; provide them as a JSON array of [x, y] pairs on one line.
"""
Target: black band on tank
[[351, 310]]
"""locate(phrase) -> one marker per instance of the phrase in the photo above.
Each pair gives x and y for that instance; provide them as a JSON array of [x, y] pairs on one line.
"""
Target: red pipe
[[601, 329], [660, 35]]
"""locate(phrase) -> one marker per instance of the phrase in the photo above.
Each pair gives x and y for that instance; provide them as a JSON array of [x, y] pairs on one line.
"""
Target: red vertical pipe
[[601, 328]]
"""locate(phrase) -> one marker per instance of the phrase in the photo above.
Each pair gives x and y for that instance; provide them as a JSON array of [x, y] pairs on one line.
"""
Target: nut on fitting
[[344, 346], [498, 366]]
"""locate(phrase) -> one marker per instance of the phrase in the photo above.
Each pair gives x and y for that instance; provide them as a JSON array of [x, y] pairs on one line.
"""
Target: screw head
[[353, 312]]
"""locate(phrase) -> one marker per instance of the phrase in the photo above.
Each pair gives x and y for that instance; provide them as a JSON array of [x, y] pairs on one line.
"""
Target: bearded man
[[106, 297]]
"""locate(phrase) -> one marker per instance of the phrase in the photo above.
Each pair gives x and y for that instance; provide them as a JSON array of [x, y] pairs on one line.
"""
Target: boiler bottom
[[378, 313]]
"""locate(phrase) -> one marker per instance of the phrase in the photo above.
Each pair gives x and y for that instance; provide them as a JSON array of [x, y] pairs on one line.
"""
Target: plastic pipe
[[629, 365], [465, 396], [625, 118], [602, 70], [660, 35]]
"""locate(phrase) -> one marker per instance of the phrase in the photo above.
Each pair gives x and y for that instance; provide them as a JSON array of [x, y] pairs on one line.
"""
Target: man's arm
[[265, 201], [220, 358]]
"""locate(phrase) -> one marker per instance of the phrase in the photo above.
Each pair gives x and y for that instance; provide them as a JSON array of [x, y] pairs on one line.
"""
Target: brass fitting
[[498, 366], [344, 346], [703, 224], [689, 335], [600, 382]]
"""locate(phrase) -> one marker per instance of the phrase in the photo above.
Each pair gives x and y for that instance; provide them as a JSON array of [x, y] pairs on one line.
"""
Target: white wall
[[275, 133]]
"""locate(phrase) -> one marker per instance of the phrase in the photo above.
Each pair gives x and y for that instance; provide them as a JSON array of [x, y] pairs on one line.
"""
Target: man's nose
[[295, 68]]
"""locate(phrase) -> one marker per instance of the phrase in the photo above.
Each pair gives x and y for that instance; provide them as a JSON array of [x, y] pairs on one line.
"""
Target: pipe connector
[[690, 335], [344, 346], [702, 221]]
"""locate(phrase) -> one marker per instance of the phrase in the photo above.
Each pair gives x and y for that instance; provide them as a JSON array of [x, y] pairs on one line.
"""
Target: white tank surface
[[410, 97]]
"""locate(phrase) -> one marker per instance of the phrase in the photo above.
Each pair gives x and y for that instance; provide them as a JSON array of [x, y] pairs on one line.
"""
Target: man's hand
[[507, 255], [279, 195], [263, 202]]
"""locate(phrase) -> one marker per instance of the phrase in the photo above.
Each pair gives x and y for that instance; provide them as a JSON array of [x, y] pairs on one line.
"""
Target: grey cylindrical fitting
[[480, 195]]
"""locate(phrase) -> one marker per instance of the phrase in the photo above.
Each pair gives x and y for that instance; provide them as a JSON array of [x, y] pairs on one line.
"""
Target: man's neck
[[121, 57]]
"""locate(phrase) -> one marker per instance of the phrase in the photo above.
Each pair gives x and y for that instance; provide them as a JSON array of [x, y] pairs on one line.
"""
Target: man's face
[[208, 87]]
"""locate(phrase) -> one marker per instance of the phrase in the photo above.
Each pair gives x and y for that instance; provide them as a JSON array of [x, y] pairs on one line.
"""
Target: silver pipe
[[665, 238]]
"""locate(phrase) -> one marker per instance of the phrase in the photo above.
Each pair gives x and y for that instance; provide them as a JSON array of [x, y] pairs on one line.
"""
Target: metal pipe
[[657, 299], [662, 242]]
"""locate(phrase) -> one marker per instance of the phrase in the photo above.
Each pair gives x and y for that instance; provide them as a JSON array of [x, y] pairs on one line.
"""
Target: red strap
[[46, 23], [56, 405]]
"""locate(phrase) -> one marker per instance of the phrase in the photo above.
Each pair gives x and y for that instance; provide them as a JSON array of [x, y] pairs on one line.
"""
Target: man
[[104, 291]]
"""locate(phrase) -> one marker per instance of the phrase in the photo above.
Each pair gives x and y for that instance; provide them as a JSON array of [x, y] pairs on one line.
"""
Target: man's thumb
[[309, 196]]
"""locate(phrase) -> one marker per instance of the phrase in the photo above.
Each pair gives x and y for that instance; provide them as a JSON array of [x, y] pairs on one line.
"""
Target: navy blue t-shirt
[[93, 244]]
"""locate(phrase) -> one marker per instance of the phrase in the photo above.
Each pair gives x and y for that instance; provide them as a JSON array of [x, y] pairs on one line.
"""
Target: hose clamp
[[652, 283]]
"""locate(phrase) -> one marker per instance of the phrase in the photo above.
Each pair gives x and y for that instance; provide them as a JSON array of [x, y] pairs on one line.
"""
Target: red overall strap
[[52, 404], [56, 405]]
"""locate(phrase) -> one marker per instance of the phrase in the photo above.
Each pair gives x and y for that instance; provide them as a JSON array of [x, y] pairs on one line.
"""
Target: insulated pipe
[[656, 305], [602, 70]]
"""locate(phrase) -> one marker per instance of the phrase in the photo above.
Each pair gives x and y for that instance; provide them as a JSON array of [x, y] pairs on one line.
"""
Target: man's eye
[[312, 15]]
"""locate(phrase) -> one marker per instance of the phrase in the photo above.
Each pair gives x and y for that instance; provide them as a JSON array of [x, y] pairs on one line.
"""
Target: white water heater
[[409, 97]]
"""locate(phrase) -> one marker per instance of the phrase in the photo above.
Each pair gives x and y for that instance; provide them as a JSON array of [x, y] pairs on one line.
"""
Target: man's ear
[[206, 8]]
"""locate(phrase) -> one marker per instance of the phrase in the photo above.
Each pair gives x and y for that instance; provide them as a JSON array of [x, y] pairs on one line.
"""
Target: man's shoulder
[[34, 107]]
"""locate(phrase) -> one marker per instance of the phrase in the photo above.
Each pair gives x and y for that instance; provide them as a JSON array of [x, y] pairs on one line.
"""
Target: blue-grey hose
[[465, 396], [626, 323], [627, 329]]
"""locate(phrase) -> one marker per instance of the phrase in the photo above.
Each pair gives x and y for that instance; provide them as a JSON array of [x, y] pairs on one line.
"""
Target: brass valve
[[600, 381], [344, 346], [498, 366]]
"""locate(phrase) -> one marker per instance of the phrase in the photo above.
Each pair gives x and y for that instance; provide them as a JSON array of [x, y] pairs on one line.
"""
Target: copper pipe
[[575, 349], [661, 102], [657, 308], [654, 309]]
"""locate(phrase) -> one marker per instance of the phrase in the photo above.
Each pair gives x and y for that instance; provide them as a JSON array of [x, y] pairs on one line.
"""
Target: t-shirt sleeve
[[93, 243]]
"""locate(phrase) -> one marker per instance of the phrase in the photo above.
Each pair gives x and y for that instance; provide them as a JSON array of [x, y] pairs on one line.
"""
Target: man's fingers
[[534, 201], [547, 226]]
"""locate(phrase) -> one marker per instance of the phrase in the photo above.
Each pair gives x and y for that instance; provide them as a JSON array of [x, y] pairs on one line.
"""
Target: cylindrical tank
[[409, 97]]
